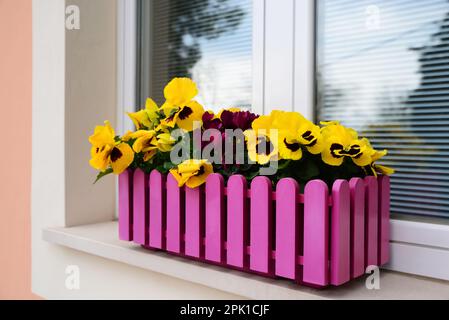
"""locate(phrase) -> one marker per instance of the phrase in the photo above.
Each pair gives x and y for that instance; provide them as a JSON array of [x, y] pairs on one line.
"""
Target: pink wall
[[15, 159]]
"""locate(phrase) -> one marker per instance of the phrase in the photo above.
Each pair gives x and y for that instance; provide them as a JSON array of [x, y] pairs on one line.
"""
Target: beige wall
[[90, 98], [15, 160]]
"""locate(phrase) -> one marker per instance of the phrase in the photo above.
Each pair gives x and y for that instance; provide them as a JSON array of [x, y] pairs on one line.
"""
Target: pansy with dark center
[[192, 172], [338, 151]]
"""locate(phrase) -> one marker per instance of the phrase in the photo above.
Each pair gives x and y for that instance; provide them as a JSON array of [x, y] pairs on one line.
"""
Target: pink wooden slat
[[260, 225], [193, 222], [214, 243], [237, 220], [384, 220], [125, 199], [174, 209], [371, 222], [157, 209], [140, 207], [287, 191], [316, 233], [340, 233], [357, 186]]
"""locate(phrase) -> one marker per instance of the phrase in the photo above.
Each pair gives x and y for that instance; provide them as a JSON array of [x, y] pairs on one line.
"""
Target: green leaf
[[102, 174]]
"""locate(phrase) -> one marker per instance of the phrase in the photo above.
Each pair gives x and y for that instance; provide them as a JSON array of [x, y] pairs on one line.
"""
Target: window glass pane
[[383, 68], [207, 40]]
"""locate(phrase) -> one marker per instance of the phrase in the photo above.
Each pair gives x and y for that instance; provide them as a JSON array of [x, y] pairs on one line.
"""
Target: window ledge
[[102, 240]]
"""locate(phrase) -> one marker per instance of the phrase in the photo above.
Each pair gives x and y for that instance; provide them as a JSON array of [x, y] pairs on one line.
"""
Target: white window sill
[[102, 240]]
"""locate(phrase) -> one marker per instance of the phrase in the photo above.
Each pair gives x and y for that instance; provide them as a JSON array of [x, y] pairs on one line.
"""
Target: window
[[207, 40], [383, 68]]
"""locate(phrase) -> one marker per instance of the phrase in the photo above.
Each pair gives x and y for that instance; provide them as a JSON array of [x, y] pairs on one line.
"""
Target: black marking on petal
[[185, 113], [292, 146], [200, 171], [314, 142], [336, 147], [352, 152], [116, 154], [308, 136]]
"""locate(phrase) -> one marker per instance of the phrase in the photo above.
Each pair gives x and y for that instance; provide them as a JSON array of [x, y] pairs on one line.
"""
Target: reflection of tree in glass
[[179, 26], [433, 61]]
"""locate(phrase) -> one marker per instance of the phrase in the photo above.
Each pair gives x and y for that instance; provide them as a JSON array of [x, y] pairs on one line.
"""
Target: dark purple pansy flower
[[237, 120], [210, 122]]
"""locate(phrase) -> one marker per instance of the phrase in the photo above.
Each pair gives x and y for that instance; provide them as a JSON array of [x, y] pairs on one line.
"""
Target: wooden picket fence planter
[[318, 238]]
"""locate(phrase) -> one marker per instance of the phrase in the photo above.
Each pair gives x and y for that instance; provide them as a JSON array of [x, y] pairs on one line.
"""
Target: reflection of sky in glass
[[208, 40], [362, 53], [383, 68], [223, 73]]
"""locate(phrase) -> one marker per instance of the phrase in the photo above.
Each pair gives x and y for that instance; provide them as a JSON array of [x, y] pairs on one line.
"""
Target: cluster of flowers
[[301, 149]]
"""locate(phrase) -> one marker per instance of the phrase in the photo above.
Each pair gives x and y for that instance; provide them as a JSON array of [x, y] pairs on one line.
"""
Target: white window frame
[[126, 60], [283, 77]]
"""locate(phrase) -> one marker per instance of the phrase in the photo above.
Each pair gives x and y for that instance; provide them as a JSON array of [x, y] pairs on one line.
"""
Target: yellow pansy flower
[[261, 143], [106, 152], [103, 135], [184, 116], [341, 142], [146, 142], [146, 118], [192, 172], [180, 91], [261, 147], [296, 132]]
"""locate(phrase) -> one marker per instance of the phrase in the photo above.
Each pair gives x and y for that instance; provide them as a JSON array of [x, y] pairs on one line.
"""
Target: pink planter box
[[318, 238]]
